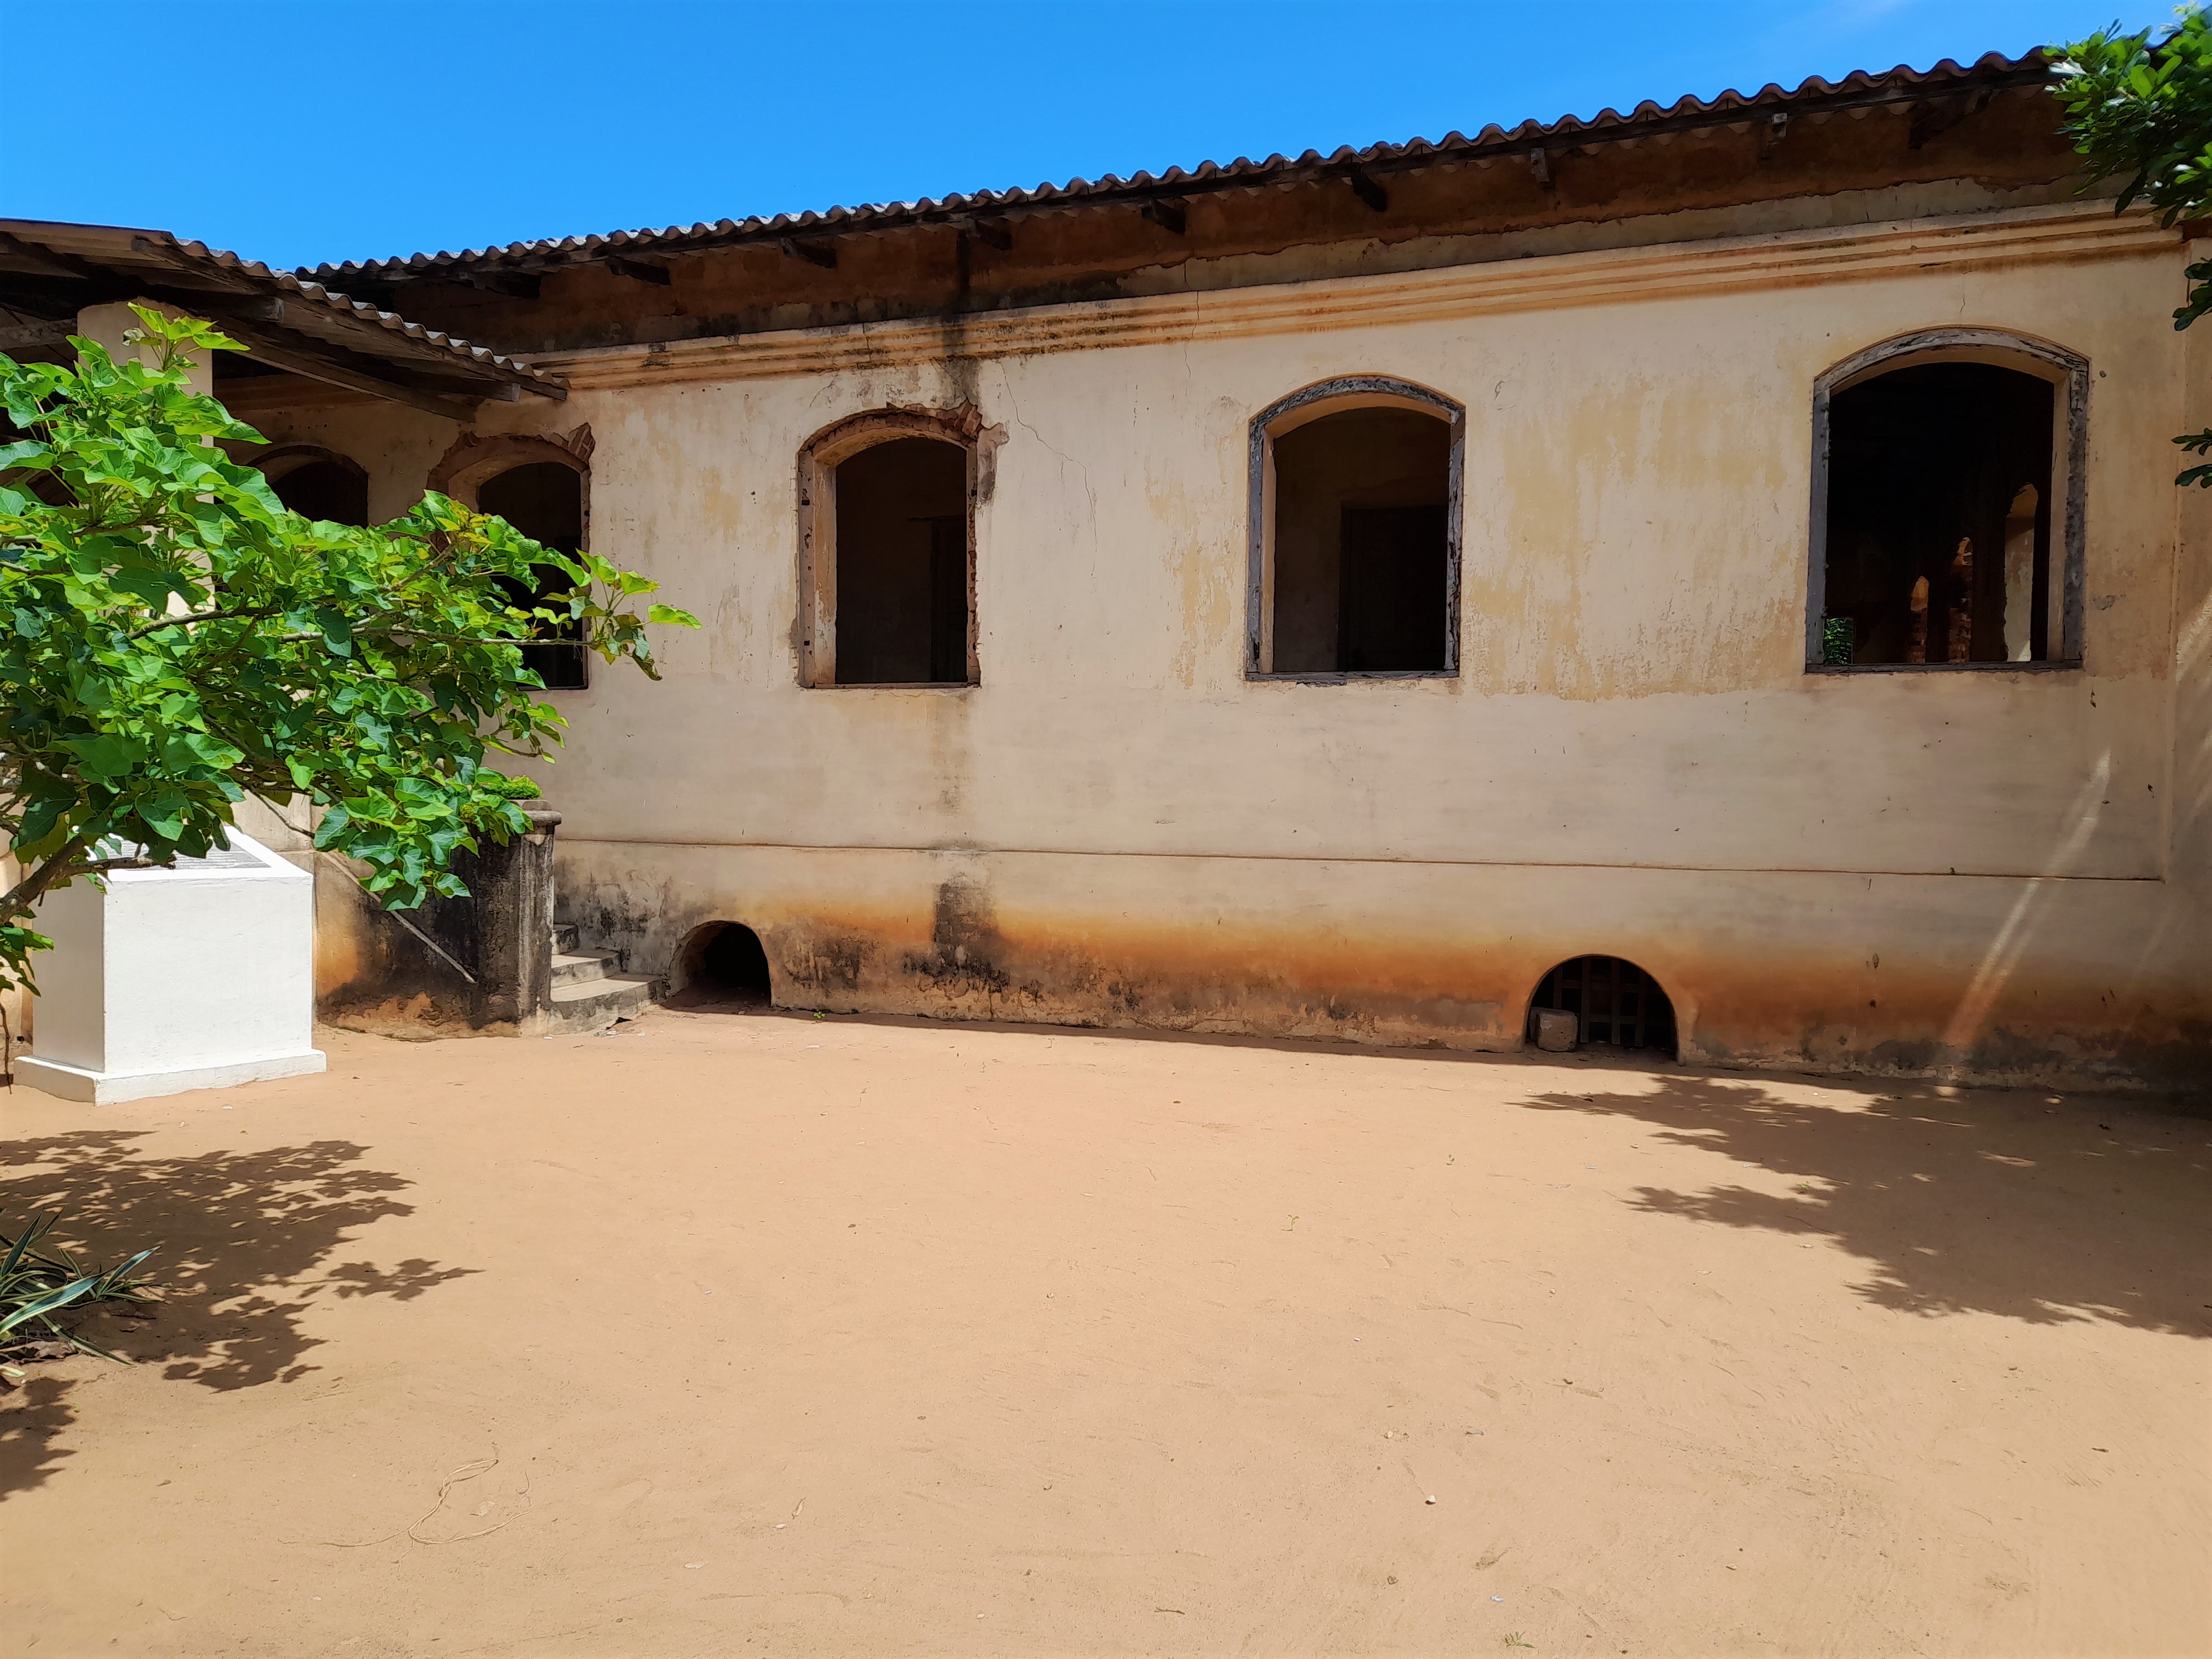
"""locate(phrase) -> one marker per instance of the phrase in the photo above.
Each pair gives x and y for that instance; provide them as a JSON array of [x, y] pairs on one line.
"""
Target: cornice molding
[[2041, 235]]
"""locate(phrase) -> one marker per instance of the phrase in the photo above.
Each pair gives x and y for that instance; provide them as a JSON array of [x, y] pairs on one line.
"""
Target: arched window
[[887, 551], [1947, 504], [543, 488], [317, 483], [1355, 531]]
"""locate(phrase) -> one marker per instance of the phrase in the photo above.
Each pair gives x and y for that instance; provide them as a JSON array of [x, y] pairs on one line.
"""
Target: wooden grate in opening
[[1616, 1002]]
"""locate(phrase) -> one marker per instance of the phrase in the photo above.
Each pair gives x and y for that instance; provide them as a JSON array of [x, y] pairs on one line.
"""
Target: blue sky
[[299, 131]]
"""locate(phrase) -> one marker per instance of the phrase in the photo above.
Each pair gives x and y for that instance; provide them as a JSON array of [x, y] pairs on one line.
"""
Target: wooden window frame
[[474, 461], [819, 457], [2064, 370], [1287, 414]]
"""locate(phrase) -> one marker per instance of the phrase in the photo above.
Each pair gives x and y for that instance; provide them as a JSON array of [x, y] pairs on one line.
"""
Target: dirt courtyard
[[726, 1334]]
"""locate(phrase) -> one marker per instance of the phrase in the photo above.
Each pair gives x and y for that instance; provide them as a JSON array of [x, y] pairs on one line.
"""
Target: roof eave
[[285, 321], [1991, 73]]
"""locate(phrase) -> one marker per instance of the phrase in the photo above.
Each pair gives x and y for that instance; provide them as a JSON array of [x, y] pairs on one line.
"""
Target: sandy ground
[[725, 1335]]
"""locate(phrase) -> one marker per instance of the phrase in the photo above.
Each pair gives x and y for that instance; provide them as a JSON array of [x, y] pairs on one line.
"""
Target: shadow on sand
[[2010, 1202], [2039, 1207], [246, 1241]]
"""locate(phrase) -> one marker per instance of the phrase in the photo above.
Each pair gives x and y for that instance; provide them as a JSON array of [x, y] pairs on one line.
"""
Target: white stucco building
[[1716, 570]]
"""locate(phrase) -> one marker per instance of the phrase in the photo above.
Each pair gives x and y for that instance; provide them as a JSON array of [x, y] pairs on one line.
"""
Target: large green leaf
[[38, 1306]]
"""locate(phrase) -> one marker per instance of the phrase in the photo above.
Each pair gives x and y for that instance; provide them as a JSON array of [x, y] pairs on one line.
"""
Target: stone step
[[564, 938], [578, 969], [594, 1005]]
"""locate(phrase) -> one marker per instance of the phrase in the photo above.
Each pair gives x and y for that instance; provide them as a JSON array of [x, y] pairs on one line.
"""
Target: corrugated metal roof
[[159, 258], [1857, 89]]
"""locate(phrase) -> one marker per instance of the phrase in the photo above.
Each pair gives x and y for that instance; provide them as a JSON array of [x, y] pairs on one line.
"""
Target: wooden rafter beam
[[1937, 116], [512, 284], [224, 308], [36, 336], [278, 352], [1169, 216], [1377, 199], [47, 262], [815, 254], [428, 367], [639, 271], [249, 326]]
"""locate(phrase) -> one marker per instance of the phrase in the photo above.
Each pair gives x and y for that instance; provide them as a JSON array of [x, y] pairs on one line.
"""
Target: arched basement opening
[[1616, 1004], [723, 961]]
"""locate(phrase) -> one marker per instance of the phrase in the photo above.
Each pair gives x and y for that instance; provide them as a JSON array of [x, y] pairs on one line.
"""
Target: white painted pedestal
[[190, 978]]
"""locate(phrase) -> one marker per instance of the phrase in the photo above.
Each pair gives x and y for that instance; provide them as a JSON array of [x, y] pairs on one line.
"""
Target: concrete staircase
[[585, 996]]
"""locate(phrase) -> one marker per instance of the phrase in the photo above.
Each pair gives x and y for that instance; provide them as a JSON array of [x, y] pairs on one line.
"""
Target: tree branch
[[296, 829], [192, 616], [27, 892]]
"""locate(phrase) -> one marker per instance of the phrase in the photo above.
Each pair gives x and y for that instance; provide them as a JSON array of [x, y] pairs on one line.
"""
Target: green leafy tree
[[173, 639], [2139, 107]]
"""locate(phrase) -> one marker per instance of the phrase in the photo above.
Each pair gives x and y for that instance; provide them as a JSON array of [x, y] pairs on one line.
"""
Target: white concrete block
[[190, 978], [107, 1088], [1557, 1030]]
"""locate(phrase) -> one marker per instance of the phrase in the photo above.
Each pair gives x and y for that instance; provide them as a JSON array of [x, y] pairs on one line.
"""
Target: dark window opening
[[1939, 519], [904, 570], [545, 502], [324, 490], [1615, 1003], [1362, 545], [723, 961], [46, 487], [237, 366]]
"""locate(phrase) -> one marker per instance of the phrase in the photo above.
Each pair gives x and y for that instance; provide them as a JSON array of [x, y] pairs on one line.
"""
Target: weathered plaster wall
[[1997, 873]]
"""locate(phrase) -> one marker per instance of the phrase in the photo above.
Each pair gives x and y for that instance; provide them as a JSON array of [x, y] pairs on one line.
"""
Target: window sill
[[2068, 664], [896, 685], [1347, 677]]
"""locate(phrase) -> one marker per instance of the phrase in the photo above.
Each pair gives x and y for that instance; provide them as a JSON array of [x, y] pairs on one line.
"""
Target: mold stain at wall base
[[970, 969], [824, 964], [953, 949], [974, 968], [962, 961]]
